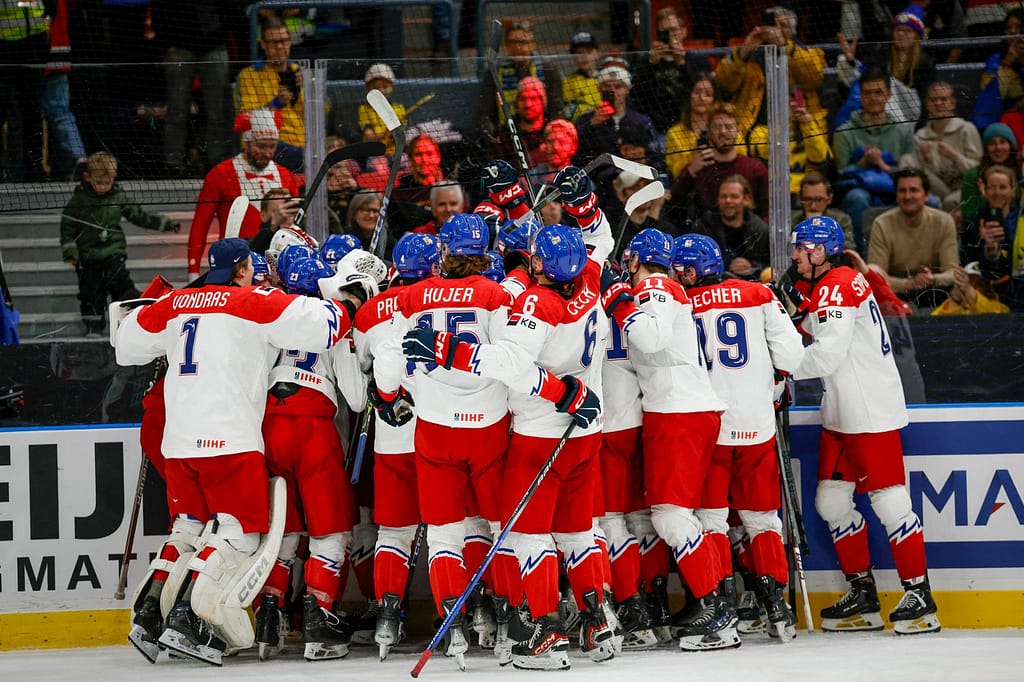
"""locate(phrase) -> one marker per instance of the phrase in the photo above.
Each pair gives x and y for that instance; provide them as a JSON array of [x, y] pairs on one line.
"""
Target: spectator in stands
[[193, 35], [645, 215], [275, 83], [915, 244], [1002, 85], [698, 184], [598, 132], [691, 132], [446, 199], [743, 236], [815, 196], [665, 78], [277, 210], [742, 74], [24, 48], [94, 243], [361, 220], [911, 68], [972, 294], [561, 142], [867, 148], [69, 154], [530, 116], [808, 142], [379, 77], [552, 213], [946, 146], [252, 174], [341, 186], [580, 93], [1000, 145], [410, 199], [989, 235], [520, 46]]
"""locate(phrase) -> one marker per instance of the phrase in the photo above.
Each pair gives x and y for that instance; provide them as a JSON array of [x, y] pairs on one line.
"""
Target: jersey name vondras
[[435, 295], [202, 299], [581, 302]]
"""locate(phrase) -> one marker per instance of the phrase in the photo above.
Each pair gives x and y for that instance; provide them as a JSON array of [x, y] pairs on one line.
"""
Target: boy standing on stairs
[[94, 243]]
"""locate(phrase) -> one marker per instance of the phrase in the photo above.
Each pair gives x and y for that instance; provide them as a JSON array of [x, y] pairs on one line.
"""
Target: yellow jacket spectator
[[379, 77], [971, 295], [808, 145], [580, 93], [690, 132]]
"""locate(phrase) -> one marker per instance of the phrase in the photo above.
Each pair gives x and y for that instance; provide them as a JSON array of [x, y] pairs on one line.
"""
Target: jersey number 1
[[189, 366]]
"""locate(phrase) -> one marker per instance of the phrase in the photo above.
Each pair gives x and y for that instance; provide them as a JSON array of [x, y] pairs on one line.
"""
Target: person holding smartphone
[[989, 234]]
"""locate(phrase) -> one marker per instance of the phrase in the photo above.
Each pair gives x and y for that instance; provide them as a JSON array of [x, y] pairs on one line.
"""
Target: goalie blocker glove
[[394, 409]]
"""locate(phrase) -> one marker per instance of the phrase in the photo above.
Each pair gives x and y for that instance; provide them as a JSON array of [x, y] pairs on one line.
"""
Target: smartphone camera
[[663, 36], [703, 140], [993, 215]]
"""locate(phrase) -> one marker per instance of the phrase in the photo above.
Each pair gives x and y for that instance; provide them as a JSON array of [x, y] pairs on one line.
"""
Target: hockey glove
[[446, 349], [502, 184], [578, 198], [780, 394], [395, 409], [578, 402], [793, 301]]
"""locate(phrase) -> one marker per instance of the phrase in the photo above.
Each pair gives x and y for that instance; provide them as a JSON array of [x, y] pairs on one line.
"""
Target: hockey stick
[[383, 108], [364, 429], [359, 150], [126, 556], [492, 63], [650, 192], [516, 513], [797, 536], [233, 224], [605, 159]]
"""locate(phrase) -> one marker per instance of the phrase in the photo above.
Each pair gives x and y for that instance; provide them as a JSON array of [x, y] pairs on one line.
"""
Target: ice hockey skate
[[326, 635], [364, 626], [916, 611], [568, 612], [638, 635], [511, 629], [455, 645], [546, 649], [714, 627], [271, 627], [483, 624], [188, 634], [389, 624], [782, 622], [751, 617], [596, 635], [147, 625], [857, 610], [661, 614]]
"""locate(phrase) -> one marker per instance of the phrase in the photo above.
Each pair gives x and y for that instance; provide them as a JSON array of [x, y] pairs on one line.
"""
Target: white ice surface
[[955, 655]]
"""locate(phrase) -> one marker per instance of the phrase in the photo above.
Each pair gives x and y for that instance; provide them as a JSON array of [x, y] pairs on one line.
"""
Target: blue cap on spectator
[[224, 256], [999, 130], [913, 18], [582, 39]]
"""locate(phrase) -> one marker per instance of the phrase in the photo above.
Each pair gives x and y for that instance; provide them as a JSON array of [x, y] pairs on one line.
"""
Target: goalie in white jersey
[[860, 451], [746, 336]]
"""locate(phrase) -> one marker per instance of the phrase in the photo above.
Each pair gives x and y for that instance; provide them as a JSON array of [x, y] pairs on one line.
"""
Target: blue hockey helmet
[[699, 252], [819, 230], [652, 246], [337, 246], [260, 269], [561, 250], [289, 255], [496, 270], [415, 255], [465, 234], [512, 237], [302, 274]]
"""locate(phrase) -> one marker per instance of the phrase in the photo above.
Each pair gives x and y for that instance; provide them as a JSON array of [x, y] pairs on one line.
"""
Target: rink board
[[66, 497]]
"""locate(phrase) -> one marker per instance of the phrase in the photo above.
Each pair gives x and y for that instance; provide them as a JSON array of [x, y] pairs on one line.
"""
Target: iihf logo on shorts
[[471, 417]]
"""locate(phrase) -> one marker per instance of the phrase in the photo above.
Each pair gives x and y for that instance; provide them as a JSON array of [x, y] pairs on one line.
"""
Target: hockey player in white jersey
[[396, 510], [746, 336], [303, 446], [550, 355], [682, 417], [862, 411], [220, 341]]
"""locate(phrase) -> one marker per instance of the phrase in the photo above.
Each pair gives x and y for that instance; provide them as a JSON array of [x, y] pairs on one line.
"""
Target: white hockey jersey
[[220, 342], [746, 335], [476, 309], [331, 372], [664, 348], [852, 355], [620, 387], [372, 329]]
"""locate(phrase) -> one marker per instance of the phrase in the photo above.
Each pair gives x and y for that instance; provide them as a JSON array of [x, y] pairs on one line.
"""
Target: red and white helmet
[[286, 236]]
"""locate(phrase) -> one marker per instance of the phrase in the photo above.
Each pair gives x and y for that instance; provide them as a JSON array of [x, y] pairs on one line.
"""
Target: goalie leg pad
[[229, 580], [177, 577], [182, 540]]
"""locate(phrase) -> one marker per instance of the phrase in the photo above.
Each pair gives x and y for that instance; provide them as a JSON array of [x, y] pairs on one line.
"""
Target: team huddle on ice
[[645, 393]]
